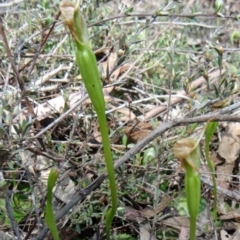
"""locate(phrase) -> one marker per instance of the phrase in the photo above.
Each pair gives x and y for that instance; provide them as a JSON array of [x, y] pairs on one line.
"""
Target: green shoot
[[49, 214], [211, 127]]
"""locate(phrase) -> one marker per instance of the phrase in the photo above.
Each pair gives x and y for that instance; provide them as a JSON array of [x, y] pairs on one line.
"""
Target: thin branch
[[10, 57], [41, 47], [231, 194], [44, 40], [47, 155], [9, 4], [165, 14], [71, 136], [65, 114]]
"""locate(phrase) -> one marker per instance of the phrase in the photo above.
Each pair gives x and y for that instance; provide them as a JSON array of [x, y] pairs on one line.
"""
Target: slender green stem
[[188, 151], [193, 224], [211, 127], [88, 67], [49, 214], [192, 187], [110, 169], [193, 190], [87, 64]]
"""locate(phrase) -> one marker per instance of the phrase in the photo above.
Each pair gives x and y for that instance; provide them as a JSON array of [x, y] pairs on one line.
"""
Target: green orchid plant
[[210, 129], [87, 65], [187, 150]]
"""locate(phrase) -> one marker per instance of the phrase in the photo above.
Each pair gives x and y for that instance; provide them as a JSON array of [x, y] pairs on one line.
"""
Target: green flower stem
[[193, 194], [87, 64], [211, 127], [188, 152], [49, 214]]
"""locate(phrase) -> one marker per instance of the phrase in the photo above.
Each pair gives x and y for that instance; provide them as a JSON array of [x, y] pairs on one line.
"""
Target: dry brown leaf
[[118, 72], [132, 214], [216, 159], [236, 235], [107, 98], [230, 225], [138, 131], [47, 76], [224, 176], [56, 104], [231, 215], [177, 222], [122, 69], [149, 212], [224, 235], [97, 134], [128, 114], [142, 215], [65, 190], [229, 147], [145, 233], [183, 234], [155, 111], [109, 64], [107, 90], [139, 135]]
